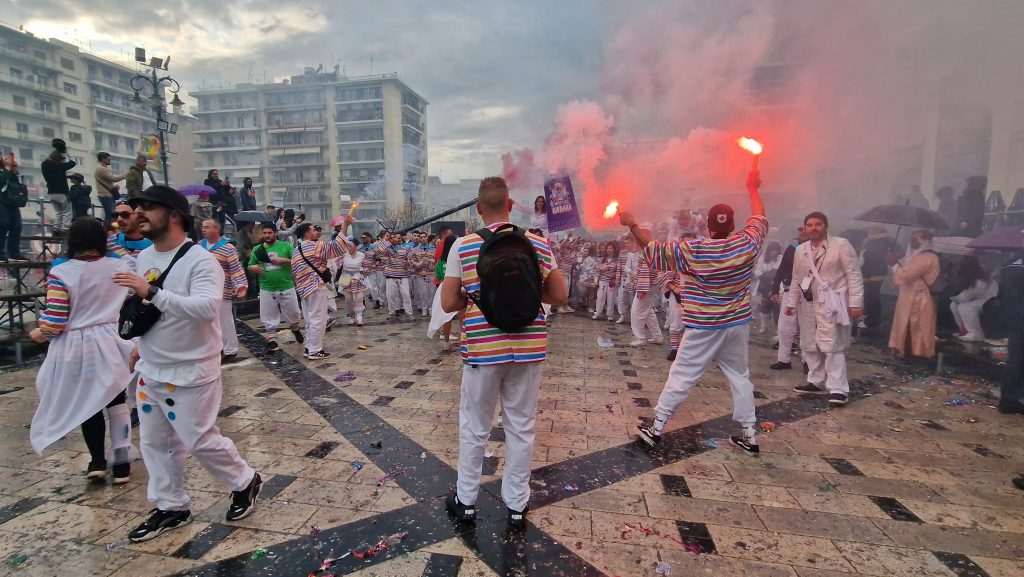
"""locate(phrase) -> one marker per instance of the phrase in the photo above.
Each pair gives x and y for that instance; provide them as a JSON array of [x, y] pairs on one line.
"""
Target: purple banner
[[561, 204]]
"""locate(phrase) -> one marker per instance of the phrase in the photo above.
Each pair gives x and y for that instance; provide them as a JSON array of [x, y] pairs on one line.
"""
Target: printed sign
[[563, 213]]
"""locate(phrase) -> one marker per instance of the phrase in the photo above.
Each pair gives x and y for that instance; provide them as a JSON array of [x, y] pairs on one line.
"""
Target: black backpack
[[14, 192], [510, 279]]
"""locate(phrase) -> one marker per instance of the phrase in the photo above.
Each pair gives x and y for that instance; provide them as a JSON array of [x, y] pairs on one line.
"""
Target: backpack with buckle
[[510, 278]]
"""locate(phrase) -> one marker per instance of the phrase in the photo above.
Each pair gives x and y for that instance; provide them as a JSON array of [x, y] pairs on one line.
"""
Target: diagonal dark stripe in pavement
[[425, 523]]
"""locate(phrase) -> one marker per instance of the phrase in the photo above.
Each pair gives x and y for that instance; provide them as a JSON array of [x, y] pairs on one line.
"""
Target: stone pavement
[[911, 478]]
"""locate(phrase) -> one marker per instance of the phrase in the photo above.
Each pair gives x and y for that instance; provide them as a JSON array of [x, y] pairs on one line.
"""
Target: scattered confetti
[[363, 347], [767, 426], [381, 545], [258, 553], [357, 465], [17, 560], [957, 403], [376, 444], [609, 407], [116, 545], [392, 474], [663, 568], [346, 376], [711, 443], [315, 530], [571, 488], [829, 487], [605, 342], [423, 456]]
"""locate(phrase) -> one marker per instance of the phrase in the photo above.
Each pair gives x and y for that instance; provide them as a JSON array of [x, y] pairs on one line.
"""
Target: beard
[[154, 229]]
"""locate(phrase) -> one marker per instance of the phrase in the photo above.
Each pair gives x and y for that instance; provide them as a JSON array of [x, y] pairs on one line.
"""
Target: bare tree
[[400, 218]]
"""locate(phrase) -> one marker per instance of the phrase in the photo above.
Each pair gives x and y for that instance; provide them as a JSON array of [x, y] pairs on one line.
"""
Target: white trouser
[[606, 297], [354, 304], [518, 387], [278, 306], [625, 298], [726, 347], [229, 338], [675, 319], [827, 370], [398, 295], [314, 308], [423, 288], [788, 327], [178, 421], [378, 288], [62, 208], [968, 316], [642, 317]]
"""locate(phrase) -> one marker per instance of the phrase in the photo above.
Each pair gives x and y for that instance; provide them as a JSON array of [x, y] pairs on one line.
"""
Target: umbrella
[[904, 215], [196, 190], [252, 216], [1005, 238], [952, 245], [338, 220]]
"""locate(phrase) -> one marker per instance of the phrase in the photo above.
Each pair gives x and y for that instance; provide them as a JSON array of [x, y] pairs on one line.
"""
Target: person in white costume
[[538, 213], [353, 284], [179, 389], [86, 366]]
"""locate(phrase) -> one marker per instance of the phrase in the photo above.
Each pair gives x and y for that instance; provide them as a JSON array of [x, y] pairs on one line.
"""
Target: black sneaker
[[318, 355], [298, 336], [122, 473], [1019, 482], [244, 502], [780, 366], [97, 470], [1011, 407], [330, 323], [377, 306], [462, 513], [159, 522], [646, 434], [806, 369], [743, 442], [229, 359], [810, 389], [134, 416], [837, 399], [517, 519], [273, 347], [672, 355]]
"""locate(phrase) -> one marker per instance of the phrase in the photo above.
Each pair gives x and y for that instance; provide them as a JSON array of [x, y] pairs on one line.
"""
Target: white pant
[[62, 208], [642, 317], [314, 308], [624, 299], [606, 297], [278, 306], [377, 286], [178, 421], [398, 295], [229, 338], [968, 317], [700, 348], [518, 387], [423, 288], [827, 370], [788, 327], [354, 305]]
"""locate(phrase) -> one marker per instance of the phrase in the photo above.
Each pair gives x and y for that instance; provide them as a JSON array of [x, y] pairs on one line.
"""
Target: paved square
[[895, 483]]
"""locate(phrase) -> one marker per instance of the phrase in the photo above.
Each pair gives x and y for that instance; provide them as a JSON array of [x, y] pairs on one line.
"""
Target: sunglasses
[[126, 214]]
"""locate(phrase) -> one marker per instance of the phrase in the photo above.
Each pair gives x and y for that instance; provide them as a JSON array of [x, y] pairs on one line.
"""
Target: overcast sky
[[493, 72]]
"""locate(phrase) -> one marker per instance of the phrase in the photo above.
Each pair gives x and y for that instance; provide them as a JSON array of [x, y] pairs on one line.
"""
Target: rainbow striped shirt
[[54, 319], [483, 344], [718, 274], [318, 253], [227, 257], [394, 258]]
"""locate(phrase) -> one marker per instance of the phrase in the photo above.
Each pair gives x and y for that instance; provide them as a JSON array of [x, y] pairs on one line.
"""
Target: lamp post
[[159, 105]]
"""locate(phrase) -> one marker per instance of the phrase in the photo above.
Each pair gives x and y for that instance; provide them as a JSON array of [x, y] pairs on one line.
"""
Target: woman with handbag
[[12, 197], [353, 284], [87, 365]]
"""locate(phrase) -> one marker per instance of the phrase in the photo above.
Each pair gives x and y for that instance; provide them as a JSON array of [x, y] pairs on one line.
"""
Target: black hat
[[166, 196], [59, 144], [77, 176]]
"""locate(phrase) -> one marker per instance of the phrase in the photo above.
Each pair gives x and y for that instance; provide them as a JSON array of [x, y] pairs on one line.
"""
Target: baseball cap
[[720, 219], [77, 176], [165, 196]]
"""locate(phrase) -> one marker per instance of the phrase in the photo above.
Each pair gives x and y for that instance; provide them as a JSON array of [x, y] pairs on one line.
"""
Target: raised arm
[[754, 188]]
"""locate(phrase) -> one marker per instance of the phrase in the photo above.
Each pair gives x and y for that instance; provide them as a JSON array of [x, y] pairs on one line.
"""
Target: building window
[[18, 100], [241, 122], [48, 132], [72, 113], [22, 128], [39, 54], [25, 153], [75, 136], [67, 63], [15, 73], [71, 89]]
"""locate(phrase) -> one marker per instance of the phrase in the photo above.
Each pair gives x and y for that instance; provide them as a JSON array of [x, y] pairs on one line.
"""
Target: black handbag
[[138, 315], [325, 275]]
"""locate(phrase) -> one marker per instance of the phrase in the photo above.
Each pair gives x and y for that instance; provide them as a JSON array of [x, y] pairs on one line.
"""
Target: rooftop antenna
[[371, 64]]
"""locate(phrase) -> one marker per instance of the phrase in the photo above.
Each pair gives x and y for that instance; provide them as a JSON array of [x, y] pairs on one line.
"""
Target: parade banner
[[149, 146], [563, 213]]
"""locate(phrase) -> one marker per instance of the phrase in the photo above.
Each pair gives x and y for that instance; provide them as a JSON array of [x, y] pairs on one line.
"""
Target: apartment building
[[314, 137], [52, 89]]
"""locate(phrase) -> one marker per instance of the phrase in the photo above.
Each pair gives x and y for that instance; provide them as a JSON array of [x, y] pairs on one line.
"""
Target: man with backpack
[[13, 196], [500, 276], [716, 314]]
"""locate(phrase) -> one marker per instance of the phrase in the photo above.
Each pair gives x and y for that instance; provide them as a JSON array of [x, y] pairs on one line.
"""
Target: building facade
[[316, 136], [51, 89]]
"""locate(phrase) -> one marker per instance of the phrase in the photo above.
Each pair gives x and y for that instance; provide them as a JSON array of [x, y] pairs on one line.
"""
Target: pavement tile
[[999, 567], [838, 503], [827, 525], [967, 517], [686, 563], [886, 561], [955, 539], [702, 511], [771, 547], [741, 493]]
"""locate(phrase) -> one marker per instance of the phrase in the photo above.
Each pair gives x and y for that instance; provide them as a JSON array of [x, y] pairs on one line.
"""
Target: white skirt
[[437, 315], [83, 371]]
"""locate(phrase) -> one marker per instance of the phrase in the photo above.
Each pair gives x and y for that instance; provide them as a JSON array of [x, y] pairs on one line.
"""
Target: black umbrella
[[253, 216], [904, 215], [1006, 238]]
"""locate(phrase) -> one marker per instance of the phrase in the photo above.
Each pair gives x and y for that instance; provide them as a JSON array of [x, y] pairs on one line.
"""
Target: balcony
[[307, 104], [35, 138], [26, 57], [233, 129], [119, 108], [242, 106], [111, 82], [30, 84], [283, 162], [215, 146], [297, 148], [285, 127], [304, 183], [117, 128], [417, 126], [33, 112]]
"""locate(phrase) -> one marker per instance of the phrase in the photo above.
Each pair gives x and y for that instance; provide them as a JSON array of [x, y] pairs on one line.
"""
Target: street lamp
[[157, 101]]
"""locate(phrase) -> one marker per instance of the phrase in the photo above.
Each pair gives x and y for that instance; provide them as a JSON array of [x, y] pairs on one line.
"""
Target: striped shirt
[[608, 270], [227, 257], [718, 274], [425, 260], [370, 258], [318, 253], [394, 259], [648, 279], [54, 319], [483, 344]]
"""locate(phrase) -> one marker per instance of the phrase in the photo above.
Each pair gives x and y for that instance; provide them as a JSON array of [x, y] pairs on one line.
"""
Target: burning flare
[[750, 145], [612, 209], [352, 209]]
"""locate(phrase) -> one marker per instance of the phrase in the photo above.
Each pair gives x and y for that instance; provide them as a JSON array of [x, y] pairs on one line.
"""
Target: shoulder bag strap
[[303, 255]]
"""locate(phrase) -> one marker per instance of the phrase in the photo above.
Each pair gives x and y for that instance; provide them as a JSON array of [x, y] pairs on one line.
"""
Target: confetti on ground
[[571, 488], [346, 376], [389, 541], [116, 545], [663, 568], [609, 407], [829, 487], [315, 530], [767, 426], [392, 474], [17, 560], [258, 553], [605, 342], [363, 347], [376, 444], [711, 443], [357, 465]]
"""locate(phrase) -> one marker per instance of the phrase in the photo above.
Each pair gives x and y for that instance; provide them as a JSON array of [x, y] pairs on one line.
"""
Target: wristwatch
[[152, 292]]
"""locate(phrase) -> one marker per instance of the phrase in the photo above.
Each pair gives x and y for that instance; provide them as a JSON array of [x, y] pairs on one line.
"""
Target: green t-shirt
[[277, 278]]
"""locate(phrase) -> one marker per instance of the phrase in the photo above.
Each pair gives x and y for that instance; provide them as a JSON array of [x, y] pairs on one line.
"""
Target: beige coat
[[839, 268], [914, 320]]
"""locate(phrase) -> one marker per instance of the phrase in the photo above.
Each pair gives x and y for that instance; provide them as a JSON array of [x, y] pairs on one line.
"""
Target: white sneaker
[[595, 317], [658, 341], [351, 321], [620, 321], [637, 343], [567, 309]]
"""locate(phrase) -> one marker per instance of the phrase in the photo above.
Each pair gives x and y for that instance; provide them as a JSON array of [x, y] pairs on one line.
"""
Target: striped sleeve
[[666, 256], [338, 247], [234, 269], [54, 319]]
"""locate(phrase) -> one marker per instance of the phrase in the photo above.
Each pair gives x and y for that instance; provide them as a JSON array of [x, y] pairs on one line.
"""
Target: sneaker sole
[[96, 475], [742, 448], [646, 440], [252, 506], [838, 403], [160, 531], [810, 392]]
